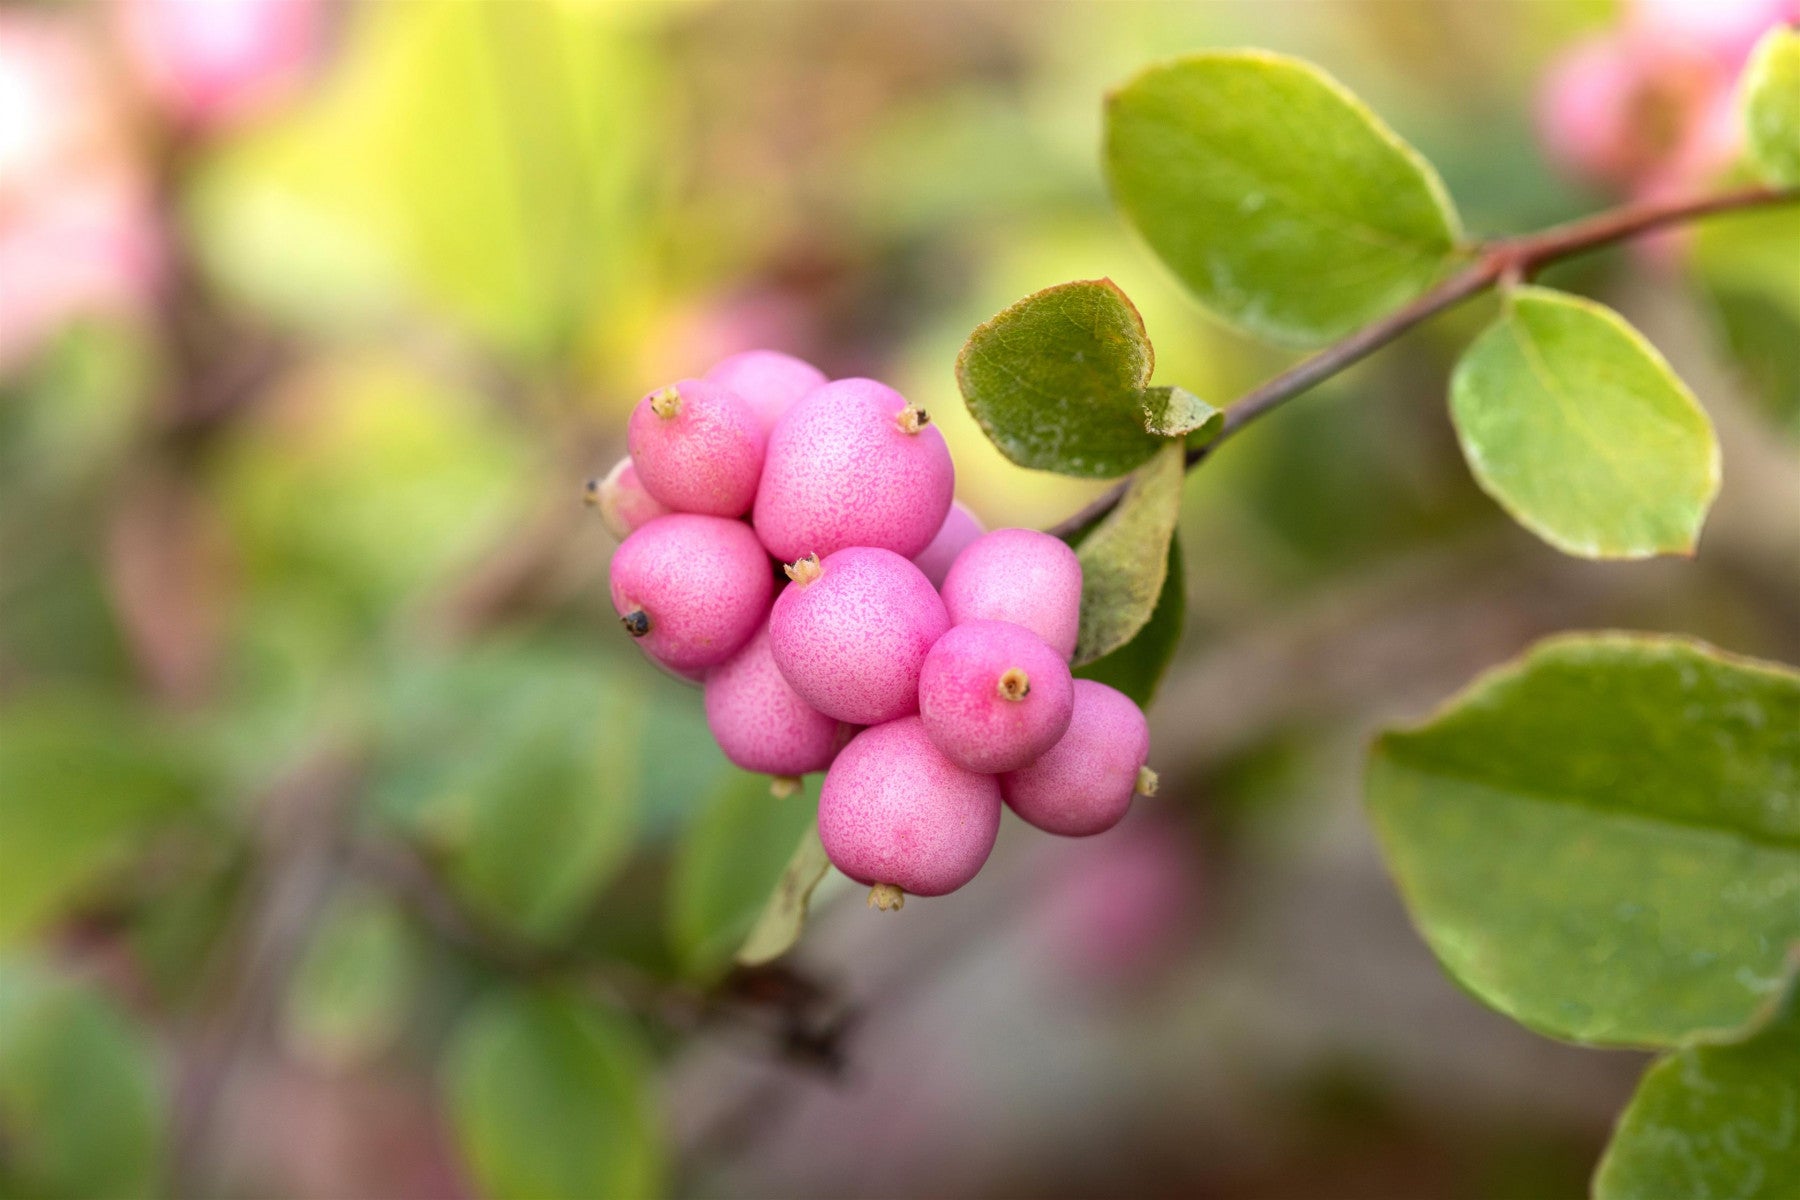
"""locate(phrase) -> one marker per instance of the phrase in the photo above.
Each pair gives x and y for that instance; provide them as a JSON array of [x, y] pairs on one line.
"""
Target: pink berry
[[211, 62], [697, 448], [851, 633], [853, 464], [769, 381], [624, 504], [692, 589], [960, 527], [993, 696], [896, 814], [1084, 784], [1022, 576], [760, 722]]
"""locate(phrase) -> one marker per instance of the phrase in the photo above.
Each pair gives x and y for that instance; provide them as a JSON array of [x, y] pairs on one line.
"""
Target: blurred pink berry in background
[[1115, 910], [210, 62], [1727, 29], [1647, 109], [77, 232]]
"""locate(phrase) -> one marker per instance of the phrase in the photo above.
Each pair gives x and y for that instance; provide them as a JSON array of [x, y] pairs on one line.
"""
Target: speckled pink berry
[[851, 632], [691, 589], [623, 503], [769, 381], [698, 448], [960, 527], [1022, 576], [852, 464], [895, 814], [993, 696], [760, 722], [1084, 784]]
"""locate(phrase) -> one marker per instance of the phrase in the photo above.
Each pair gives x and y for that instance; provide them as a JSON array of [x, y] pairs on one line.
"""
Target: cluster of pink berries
[[921, 663]]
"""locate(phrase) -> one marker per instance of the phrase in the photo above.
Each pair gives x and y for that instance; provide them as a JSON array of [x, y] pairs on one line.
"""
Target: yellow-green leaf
[[783, 917], [1281, 201], [1125, 558], [1772, 105], [1576, 426]]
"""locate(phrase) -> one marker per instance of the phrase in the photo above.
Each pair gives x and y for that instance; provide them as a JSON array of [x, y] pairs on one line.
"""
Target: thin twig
[[299, 836], [1507, 258]]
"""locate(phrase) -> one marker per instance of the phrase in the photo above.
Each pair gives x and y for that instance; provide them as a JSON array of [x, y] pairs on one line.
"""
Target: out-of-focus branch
[[299, 841], [1496, 262], [776, 1008]]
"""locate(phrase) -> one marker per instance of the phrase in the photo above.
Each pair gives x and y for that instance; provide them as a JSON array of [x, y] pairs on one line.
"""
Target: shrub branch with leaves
[[1603, 839]]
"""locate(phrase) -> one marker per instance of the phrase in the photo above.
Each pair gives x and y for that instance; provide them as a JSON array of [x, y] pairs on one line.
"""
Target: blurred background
[[348, 849]]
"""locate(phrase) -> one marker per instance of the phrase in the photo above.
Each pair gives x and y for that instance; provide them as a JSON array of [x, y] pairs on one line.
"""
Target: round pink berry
[[896, 814], [769, 381], [624, 504], [691, 589], [853, 464], [760, 722], [1084, 784], [211, 62], [1022, 576], [993, 696], [960, 527], [697, 448], [851, 632]]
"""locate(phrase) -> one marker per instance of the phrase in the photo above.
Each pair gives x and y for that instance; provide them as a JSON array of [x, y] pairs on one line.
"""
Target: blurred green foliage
[[306, 545], [81, 1104]]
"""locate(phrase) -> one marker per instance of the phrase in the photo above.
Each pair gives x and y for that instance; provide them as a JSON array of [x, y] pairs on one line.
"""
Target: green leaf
[[81, 782], [1576, 426], [549, 1098], [1278, 198], [728, 863], [1125, 558], [80, 1106], [1177, 412], [783, 918], [349, 996], [1712, 1121], [518, 766], [1602, 840], [1060, 382], [1772, 106], [1763, 337], [1137, 667]]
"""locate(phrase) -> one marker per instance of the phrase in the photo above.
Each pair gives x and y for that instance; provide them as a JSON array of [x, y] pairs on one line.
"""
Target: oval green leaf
[[730, 860], [1060, 382], [1285, 205], [1137, 667], [1576, 426], [81, 782], [783, 918], [1125, 558], [1602, 840], [1772, 106], [549, 1098], [538, 804], [80, 1102], [1713, 1121]]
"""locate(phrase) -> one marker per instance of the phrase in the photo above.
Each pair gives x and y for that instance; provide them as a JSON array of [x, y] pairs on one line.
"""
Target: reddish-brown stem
[[1494, 262]]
